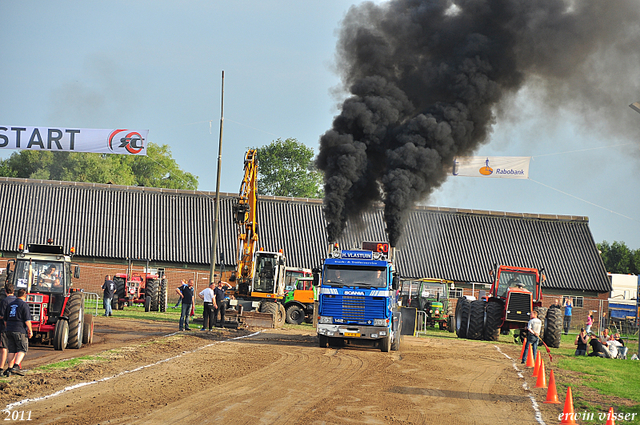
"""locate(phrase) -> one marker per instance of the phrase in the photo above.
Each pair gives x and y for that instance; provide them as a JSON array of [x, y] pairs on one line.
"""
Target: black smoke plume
[[426, 79]]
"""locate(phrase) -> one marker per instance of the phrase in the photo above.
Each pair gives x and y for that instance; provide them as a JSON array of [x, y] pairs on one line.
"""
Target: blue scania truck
[[357, 298]]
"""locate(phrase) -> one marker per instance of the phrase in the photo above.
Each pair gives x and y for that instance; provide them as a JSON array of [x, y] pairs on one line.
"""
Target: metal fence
[[91, 302]]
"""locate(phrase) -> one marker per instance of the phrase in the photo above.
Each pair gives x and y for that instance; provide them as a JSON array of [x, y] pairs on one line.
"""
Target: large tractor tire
[[151, 292], [553, 332], [493, 320], [542, 315], [87, 329], [120, 291], [462, 317], [276, 310], [75, 312], [61, 335], [295, 315], [476, 320], [163, 295]]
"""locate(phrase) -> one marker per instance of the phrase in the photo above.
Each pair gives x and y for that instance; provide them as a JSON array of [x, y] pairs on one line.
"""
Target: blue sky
[[157, 65]]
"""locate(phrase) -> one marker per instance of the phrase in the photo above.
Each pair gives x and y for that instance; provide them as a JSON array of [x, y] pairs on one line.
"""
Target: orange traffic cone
[[610, 420], [530, 362], [536, 367], [552, 394], [524, 344], [568, 417], [542, 380]]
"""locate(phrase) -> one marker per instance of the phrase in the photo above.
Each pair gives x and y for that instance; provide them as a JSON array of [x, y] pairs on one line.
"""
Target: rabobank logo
[[486, 170], [131, 141], [354, 293]]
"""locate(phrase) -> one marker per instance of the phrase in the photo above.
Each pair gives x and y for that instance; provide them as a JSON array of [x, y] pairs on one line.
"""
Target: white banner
[[120, 141], [505, 167]]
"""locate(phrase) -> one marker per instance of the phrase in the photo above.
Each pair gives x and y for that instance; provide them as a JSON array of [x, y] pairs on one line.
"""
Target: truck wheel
[[493, 321], [462, 317], [476, 319], [87, 329], [323, 341], [162, 297], [553, 333], [75, 312], [147, 303], [151, 292], [385, 344], [61, 335], [542, 315], [295, 315]]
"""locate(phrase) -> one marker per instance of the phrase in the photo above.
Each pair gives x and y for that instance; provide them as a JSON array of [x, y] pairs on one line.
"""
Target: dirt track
[[282, 376]]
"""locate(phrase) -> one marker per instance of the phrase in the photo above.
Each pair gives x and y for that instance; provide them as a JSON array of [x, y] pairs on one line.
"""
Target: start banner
[[505, 167], [119, 141]]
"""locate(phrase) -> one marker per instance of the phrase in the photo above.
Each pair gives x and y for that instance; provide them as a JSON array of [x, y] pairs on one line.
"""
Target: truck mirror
[[76, 272], [316, 279], [395, 283]]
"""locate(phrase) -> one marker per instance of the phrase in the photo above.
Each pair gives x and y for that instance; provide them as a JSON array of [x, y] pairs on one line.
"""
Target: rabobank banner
[[120, 141], [505, 167]]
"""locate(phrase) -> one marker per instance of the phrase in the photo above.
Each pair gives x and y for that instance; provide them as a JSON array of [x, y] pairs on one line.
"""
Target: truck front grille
[[354, 309], [518, 307]]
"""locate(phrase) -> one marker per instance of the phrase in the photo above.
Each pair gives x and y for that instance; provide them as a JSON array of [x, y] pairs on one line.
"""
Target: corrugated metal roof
[[176, 226]]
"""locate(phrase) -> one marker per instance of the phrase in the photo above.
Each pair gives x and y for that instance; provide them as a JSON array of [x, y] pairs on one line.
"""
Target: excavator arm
[[245, 217]]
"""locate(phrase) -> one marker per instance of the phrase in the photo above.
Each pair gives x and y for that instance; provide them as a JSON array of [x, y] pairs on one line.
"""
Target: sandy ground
[[280, 377]]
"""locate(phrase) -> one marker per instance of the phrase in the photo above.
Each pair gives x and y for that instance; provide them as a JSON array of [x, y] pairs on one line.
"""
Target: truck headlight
[[325, 320], [380, 322]]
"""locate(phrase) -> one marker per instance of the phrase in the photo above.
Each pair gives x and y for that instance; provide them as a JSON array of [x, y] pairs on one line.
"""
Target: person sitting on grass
[[598, 350], [581, 341]]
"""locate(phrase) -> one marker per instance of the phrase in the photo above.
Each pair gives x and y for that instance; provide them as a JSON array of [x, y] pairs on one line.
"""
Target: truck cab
[[357, 299]]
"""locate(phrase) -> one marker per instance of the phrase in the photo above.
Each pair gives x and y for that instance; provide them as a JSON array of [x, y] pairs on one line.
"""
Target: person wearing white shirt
[[533, 335], [209, 305]]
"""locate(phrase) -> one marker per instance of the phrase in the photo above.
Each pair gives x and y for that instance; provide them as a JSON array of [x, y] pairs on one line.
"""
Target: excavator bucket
[[256, 320]]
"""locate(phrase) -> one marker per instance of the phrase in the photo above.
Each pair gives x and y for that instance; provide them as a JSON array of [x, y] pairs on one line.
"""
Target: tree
[[157, 169], [617, 257], [287, 168]]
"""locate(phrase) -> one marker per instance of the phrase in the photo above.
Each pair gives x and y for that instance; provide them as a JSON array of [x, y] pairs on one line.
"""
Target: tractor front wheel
[[61, 335]]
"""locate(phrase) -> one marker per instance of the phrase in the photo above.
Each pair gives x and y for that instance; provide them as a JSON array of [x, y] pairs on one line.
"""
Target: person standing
[[533, 332], [188, 300], [8, 288], [582, 341], [17, 318], [109, 288], [568, 306], [208, 296], [221, 304], [589, 322]]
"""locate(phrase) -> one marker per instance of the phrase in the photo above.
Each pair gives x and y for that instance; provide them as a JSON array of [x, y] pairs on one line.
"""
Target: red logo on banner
[[132, 142]]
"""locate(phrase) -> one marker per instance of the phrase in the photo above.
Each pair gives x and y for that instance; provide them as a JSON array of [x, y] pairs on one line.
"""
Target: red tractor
[[515, 293], [57, 310], [149, 289]]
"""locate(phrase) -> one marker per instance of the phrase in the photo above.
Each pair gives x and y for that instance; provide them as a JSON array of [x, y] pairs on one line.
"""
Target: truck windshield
[[40, 276], [356, 277], [510, 279]]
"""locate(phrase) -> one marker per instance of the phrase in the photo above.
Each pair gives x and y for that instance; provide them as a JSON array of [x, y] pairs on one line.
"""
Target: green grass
[[65, 364], [137, 312]]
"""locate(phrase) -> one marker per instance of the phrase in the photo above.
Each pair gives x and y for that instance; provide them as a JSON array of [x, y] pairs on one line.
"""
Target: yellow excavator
[[260, 275]]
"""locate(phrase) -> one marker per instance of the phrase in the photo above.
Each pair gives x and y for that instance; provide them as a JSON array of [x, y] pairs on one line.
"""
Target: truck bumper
[[351, 331]]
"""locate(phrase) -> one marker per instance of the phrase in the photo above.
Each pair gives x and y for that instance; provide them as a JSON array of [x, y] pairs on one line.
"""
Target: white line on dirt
[[84, 384], [534, 403]]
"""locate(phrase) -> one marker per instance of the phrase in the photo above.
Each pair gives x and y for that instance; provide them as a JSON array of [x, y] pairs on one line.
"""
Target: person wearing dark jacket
[[17, 320], [8, 288]]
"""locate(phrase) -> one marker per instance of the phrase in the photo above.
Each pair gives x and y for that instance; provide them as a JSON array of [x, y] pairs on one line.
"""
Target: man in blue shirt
[[187, 296], [17, 319], [568, 306], [8, 288]]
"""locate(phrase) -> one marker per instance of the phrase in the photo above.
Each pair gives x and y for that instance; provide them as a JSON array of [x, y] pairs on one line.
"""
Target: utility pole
[[214, 244], [636, 107]]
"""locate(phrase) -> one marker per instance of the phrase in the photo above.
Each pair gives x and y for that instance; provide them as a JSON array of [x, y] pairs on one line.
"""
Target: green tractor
[[432, 297]]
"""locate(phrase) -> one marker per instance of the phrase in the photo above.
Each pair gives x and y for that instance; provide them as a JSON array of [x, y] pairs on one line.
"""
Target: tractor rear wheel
[[152, 292], [295, 315], [553, 333], [462, 317], [87, 329], [493, 320], [61, 335], [162, 295], [476, 319], [75, 312]]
